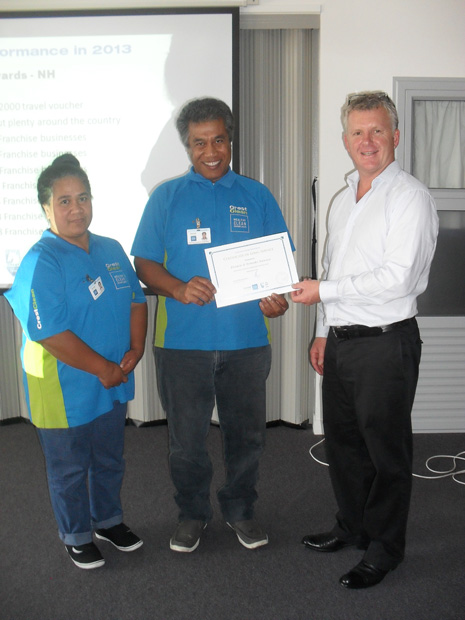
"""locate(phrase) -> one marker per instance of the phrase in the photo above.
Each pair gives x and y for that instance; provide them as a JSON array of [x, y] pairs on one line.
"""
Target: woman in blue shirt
[[84, 320]]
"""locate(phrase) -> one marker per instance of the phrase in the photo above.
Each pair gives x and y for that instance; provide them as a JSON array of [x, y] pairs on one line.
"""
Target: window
[[438, 143], [432, 148]]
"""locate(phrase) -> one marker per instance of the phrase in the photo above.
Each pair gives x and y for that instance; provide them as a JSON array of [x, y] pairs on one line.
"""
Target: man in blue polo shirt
[[205, 354]]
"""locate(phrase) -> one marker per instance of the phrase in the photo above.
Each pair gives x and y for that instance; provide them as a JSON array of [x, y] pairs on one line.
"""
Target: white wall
[[363, 45]]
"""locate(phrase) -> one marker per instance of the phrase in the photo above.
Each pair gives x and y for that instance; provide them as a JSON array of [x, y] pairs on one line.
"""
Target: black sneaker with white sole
[[249, 533], [85, 556], [186, 538], [121, 537]]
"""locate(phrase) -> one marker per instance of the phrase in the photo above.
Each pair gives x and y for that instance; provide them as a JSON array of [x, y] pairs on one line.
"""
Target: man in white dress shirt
[[382, 232]]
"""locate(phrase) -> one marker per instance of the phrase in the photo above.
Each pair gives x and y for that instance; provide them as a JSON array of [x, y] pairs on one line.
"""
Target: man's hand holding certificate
[[251, 269]]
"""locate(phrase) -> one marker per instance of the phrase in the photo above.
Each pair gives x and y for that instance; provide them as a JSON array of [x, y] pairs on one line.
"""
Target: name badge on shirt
[[198, 235], [96, 288]]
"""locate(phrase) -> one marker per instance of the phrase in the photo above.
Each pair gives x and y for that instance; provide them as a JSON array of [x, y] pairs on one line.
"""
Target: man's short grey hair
[[369, 100], [200, 111]]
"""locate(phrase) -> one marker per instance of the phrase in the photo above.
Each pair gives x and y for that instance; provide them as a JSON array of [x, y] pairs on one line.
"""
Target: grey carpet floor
[[222, 580]]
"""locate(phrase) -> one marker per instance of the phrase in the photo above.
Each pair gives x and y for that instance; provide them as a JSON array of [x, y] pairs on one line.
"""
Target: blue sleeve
[[38, 296], [149, 240]]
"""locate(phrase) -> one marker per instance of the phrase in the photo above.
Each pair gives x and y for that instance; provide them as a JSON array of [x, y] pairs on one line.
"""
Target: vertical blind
[[276, 149]]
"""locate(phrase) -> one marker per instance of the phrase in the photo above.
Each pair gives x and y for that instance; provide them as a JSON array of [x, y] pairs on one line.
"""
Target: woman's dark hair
[[201, 110], [66, 165]]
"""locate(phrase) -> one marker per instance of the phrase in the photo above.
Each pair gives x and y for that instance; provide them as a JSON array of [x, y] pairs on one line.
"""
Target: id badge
[[198, 235], [96, 288]]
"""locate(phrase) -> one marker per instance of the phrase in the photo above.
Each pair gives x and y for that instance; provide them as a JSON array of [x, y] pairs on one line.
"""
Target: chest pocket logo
[[119, 278], [239, 219], [117, 275]]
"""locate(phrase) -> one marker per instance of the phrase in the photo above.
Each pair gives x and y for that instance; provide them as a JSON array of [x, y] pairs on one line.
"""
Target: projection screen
[[106, 86]]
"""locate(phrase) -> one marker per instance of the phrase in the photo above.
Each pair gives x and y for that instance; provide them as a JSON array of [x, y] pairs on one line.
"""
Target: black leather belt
[[347, 332]]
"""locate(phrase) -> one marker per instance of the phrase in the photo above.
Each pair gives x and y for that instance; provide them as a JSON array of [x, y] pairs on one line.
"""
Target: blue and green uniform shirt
[[234, 208], [51, 294]]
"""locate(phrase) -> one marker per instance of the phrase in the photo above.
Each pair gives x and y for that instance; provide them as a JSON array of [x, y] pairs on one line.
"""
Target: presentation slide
[[106, 88]]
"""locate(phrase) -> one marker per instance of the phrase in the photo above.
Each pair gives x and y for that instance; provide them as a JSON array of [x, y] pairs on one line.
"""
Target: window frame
[[406, 90]]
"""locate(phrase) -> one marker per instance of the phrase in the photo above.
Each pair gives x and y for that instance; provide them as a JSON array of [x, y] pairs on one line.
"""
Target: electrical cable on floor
[[453, 473], [313, 456], [449, 473]]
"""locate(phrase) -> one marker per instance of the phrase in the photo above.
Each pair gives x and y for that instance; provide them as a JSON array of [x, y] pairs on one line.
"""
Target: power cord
[[313, 456], [453, 473], [449, 473]]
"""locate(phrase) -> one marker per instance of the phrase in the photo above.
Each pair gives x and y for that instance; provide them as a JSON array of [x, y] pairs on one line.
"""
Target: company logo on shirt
[[117, 275], [239, 219], [113, 266], [238, 210], [36, 309]]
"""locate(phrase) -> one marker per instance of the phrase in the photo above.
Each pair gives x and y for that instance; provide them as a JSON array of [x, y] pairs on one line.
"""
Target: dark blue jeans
[[85, 468], [188, 384]]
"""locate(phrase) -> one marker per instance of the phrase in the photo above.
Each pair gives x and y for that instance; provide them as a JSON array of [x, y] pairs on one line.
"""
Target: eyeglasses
[[372, 94]]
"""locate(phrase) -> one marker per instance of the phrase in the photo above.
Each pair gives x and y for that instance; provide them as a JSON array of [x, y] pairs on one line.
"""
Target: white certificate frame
[[252, 269]]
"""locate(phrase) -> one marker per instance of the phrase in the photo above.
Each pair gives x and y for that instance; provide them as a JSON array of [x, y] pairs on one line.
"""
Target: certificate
[[251, 269]]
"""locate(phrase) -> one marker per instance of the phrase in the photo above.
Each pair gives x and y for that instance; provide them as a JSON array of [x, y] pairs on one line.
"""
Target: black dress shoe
[[323, 542], [363, 575]]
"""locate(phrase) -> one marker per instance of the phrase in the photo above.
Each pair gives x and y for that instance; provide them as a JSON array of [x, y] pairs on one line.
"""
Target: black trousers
[[369, 386]]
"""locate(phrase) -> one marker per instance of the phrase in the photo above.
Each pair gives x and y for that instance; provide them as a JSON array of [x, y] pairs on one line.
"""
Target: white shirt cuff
[[328, 291]]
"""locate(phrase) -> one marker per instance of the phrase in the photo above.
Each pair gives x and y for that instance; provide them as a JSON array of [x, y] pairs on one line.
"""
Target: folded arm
[[71, 350], [138, 334]]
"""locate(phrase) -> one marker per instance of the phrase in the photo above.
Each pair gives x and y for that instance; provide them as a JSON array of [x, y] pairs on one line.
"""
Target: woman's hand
[[112, 375], [130, 360]]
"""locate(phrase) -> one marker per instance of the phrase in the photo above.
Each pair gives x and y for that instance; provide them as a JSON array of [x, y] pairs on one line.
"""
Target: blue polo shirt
[[60, 287], [234, 208]]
